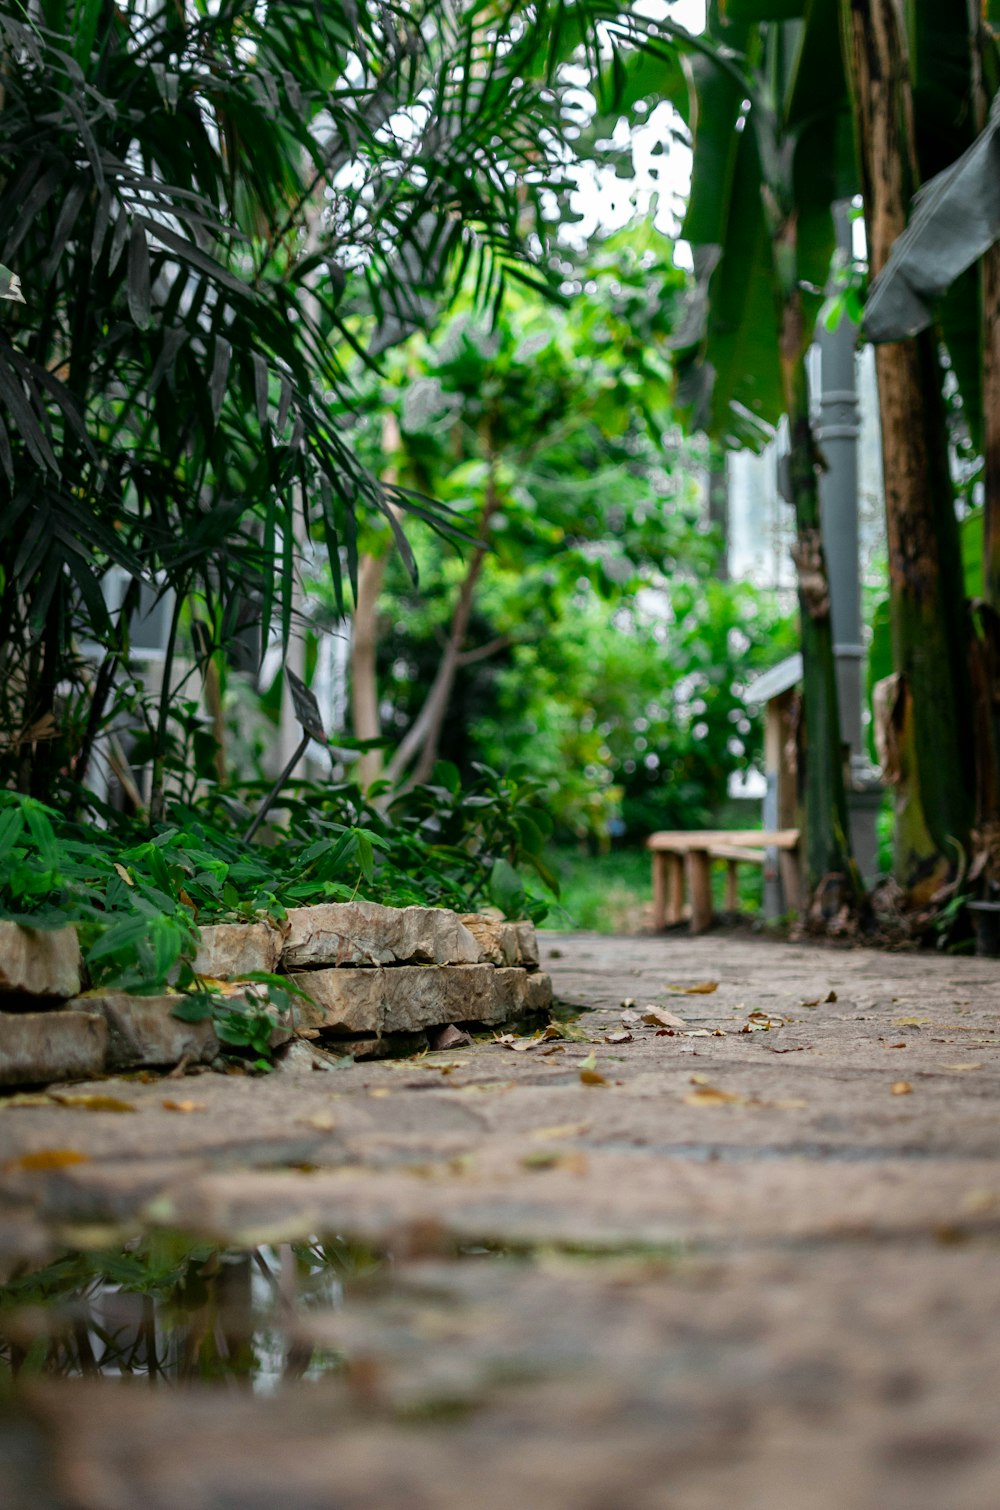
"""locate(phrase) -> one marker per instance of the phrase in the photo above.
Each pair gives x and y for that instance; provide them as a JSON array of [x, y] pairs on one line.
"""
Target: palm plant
[[207, 206]]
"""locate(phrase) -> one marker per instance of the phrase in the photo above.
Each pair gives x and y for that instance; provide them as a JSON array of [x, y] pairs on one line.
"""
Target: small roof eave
[[781, 678]]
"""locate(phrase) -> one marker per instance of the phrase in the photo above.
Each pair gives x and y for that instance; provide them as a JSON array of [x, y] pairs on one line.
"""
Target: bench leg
[[700, 887], [659, 890], [732, 887], [675, 888], [791, 879]]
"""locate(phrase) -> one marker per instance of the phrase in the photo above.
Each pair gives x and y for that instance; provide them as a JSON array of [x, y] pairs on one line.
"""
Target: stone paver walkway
[[752, 1260]]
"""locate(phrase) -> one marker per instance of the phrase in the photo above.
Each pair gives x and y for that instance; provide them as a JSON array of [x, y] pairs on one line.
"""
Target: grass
[[611, 893]]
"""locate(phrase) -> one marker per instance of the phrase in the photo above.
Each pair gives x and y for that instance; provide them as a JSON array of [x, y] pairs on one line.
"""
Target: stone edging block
[[39, 962], [36, 1047], [409, 997], [231, 949], [365, 933], [142, 1031]]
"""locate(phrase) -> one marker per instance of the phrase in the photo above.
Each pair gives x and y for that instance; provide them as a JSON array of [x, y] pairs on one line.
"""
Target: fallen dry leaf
[[618, 1038], [704, 1033], [561, 1130], [553, 1048], [449, 1038], [93, 1103], [550, 1158], [909, 1022], [700, 988], [973, 1066], [901, 1088], [658, 1017], [709, 1095], [170, 1105], [592, 1077], [49, 1158], [28, 1098], [553, 1030], [321, 1121], [819, 1001]]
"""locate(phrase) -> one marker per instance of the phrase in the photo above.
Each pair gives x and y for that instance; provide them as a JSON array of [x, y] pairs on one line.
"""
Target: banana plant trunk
[[821, 776], [930, 629]]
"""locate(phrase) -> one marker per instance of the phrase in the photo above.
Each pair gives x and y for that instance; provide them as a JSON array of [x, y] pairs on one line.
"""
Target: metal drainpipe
[[837, 434]]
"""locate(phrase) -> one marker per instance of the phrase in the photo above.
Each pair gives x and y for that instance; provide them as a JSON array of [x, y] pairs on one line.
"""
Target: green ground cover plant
[[137, 892]]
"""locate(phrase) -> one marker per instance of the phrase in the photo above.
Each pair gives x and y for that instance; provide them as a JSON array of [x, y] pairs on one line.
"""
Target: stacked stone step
[[368, 971]]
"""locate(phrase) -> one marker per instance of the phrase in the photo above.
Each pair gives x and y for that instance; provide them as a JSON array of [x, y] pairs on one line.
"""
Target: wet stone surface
[[749, 1258]]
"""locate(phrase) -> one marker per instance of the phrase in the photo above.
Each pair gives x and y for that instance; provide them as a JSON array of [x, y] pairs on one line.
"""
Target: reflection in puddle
[[166, 1309]]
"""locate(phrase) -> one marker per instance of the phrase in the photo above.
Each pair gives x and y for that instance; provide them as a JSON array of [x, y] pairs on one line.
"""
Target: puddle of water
[[164, 1308]]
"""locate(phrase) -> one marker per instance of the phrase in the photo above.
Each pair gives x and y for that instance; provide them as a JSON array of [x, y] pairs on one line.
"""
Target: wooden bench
[[682, 860]]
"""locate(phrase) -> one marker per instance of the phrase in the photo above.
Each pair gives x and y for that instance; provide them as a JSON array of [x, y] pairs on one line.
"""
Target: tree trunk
[[821, 769], [364, 636], [423, 737], [364, 672], [929, 620]]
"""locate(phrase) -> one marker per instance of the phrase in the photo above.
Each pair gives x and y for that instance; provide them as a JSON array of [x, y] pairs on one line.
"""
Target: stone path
[[641, 1266]]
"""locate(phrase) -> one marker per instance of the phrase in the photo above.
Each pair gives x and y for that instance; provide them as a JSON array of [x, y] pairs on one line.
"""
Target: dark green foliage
[[137, 896]]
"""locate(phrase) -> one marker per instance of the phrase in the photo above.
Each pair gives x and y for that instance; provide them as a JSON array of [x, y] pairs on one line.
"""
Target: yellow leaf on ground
[[592, 1077], [710, 1095], [973, 1066], [170, 1105], [321, 1121], [901, 1088], [700, 988], [49, 1158], [550, 1158], [94, 1103], [909, 1022]]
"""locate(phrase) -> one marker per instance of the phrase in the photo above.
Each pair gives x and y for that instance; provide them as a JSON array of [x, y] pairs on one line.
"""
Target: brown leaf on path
[[901, 1088], [659, 1017], [821, 1001], [170, 1105], [592, 1077], [618, 1038], [448, 1038], [700, 988], [49, 1158], [93, 1103], [553, 1048]]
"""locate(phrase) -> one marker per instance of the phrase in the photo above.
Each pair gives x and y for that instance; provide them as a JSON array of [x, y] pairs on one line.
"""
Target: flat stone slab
[[142, 1030], [36, 1047], [39, 962], [406, 998], [229, 950], [365, 933]]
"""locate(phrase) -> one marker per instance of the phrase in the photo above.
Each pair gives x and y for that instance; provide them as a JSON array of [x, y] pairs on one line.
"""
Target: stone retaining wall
[[368, 971]]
